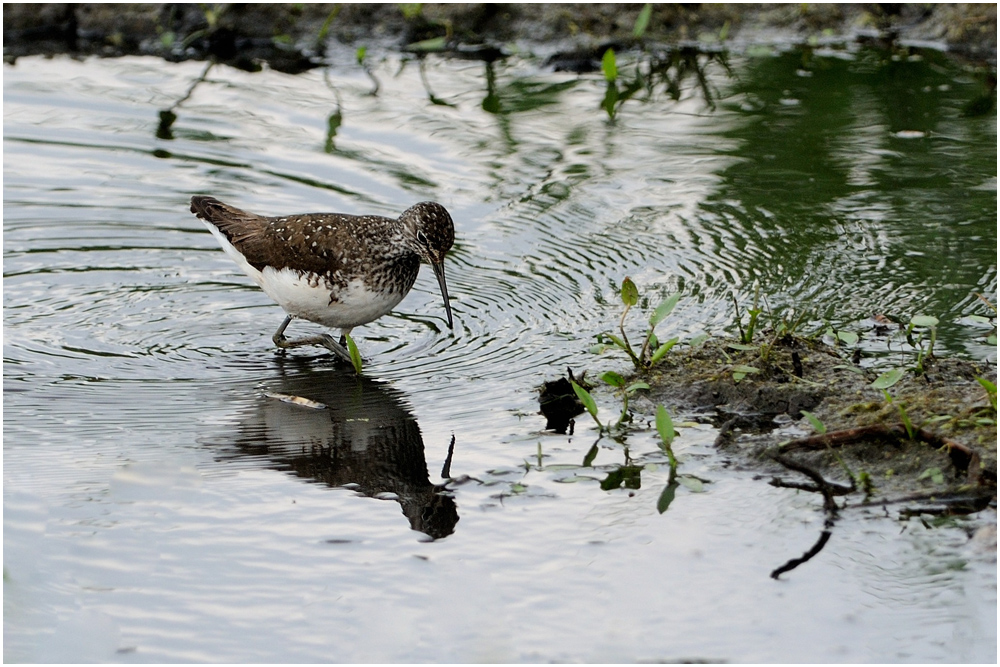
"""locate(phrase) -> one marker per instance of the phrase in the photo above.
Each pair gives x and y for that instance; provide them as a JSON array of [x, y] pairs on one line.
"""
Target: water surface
[[162, 503]]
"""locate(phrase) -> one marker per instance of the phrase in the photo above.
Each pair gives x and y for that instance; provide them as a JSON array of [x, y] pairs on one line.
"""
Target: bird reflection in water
[[331, 426]]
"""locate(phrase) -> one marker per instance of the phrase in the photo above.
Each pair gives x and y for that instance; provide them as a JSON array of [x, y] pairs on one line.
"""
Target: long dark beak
[[439, 273]]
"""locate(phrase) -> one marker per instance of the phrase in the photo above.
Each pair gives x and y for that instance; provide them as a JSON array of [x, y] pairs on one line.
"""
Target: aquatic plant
[[588, 403], [991, 391], [652, 351], [924, 326], [624, 391], [352, 349]]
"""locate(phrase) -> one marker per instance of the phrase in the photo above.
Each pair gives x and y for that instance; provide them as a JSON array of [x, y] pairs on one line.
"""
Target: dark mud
[[944, 462], [295, 37]]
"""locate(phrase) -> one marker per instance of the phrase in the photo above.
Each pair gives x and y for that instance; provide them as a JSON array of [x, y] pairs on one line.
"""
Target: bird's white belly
[[353, 306]]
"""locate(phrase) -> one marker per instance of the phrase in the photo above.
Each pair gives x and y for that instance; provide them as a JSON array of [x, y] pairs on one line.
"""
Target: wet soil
[[945, 461], [294, 37]]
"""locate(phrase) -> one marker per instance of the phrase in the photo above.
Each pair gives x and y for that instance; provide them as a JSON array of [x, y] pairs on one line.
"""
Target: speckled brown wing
[[279, 242]]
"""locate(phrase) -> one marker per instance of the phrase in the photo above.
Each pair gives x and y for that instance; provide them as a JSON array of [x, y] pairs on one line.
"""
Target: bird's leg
[[323, 340]]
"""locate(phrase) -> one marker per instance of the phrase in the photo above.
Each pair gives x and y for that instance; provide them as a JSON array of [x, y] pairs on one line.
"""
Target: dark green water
[[161, 505]]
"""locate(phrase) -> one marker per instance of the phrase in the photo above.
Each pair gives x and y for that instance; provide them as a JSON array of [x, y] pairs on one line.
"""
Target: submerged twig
[[824, 537]]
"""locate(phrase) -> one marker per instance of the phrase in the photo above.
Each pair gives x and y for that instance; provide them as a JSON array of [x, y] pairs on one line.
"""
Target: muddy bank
[[926, 443], [295, 37]]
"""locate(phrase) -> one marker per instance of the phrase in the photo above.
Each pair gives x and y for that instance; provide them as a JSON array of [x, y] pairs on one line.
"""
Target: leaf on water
[[598, 348], [636, 386], [888, 378], [609, 66], [355, 355], [630, 293], [817, 425], [360, 54], [666, 497], [591, 455], [433, 44], [664, 309], [586, 399], [665, 426], [924, 321], [642, 21], [693, 484], [614, 379], [848, 337]]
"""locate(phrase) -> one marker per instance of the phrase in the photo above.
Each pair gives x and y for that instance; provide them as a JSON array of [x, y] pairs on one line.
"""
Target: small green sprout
[[352, 349], [588, 402], [642, 21], [652, 351], [817, 425]]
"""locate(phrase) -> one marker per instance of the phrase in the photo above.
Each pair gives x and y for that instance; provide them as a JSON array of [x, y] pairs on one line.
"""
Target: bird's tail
[[237, 225], [212, 210]]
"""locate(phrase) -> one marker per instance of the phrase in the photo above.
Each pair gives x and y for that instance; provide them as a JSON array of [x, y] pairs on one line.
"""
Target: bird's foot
[[322, 340]]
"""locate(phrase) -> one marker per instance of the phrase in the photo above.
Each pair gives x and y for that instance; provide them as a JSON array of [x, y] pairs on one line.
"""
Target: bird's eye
[[421, 238]]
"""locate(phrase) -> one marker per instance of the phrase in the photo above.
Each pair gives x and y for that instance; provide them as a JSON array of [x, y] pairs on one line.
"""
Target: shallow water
[[162, 503]]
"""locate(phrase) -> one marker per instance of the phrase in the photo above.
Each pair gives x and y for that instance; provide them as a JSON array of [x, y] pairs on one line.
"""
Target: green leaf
[[616, 340], [817, 425], [662, 351], [614, 379], [411, 10], [745, 369], [666, 497], [636, 386], [888, 378], [924, 321], [608, 65], [724, 33], [591, 455], [698, 340], [352, 349], [848, 337], [665, 426], [741, 346], [664, 309], [586, 399], [427, 45], [693, 484], [360, 54], [642, 21], [935, 475], [630, 293]]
